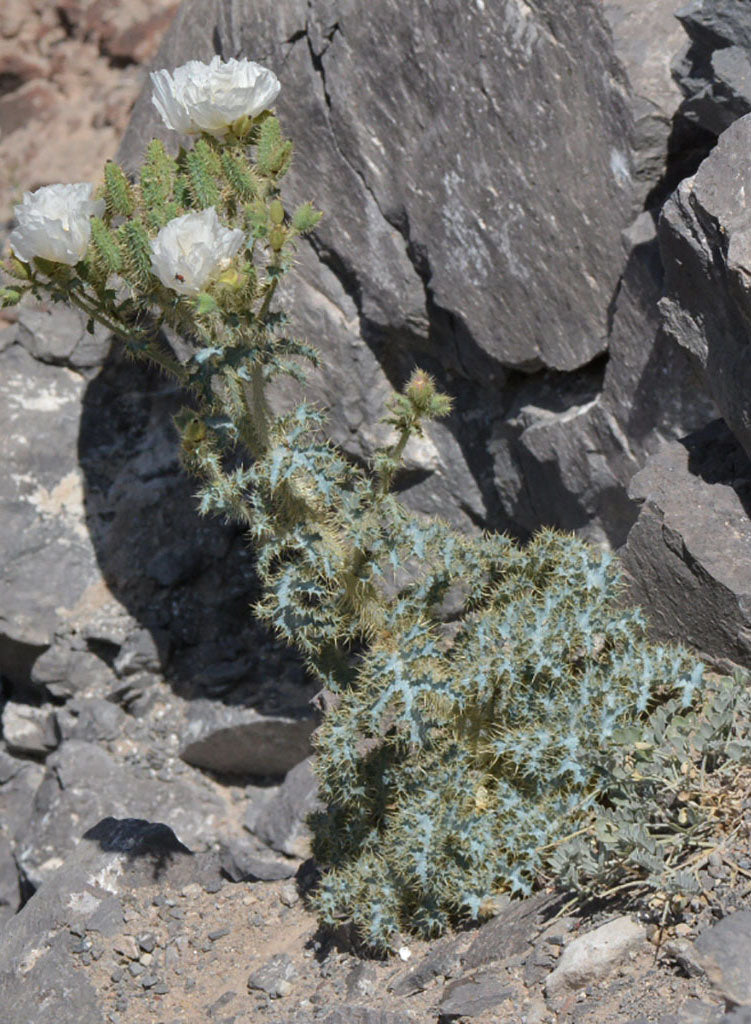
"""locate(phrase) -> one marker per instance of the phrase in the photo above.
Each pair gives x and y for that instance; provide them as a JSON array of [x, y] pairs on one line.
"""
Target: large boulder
[[647, 37], [714, 68], [686, 558], [451, 241], [442, 178], [705, 240]]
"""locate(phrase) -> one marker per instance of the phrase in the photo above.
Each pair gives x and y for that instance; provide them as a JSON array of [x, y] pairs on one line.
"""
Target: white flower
[[191, 251], [54, 223], [200, 97]]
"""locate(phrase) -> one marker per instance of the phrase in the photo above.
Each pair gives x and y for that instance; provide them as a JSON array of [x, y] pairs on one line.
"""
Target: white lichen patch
[[50, 397], [83, 902], [65, 499], [107, 877]]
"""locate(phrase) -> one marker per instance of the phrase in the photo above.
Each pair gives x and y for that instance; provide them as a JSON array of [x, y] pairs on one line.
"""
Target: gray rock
[[723, 951], [473, 995], [362, 981], [240, 741], [705, 240], [341, 66], [713, 71], [740, 1015], [442, 961], [58, 335], [349, 1013], [30, 730], [686, 558], [46, 553], [19, 781], [647, 37], [275, 977], [143, 650], [44, 987], [37, 975], [590, 957], [10, 891], [91, 720], [511, 932], [63, 671], [242, 863], [280, 821], [84, 784]]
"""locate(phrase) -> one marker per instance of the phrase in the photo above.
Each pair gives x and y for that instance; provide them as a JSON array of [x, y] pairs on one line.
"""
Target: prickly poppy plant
[[458, 752]]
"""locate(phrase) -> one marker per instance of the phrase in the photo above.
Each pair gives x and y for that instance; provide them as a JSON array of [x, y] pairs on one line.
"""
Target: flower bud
[[276, 212], [277, 236]]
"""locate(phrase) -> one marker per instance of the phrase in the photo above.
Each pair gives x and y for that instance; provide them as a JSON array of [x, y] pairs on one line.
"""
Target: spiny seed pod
[[305, 218], [240, 177], [277, 236], [201, 162], [157, 182], [117, 191], [136, 250], [274, 153], [105, 247], [194, 432]]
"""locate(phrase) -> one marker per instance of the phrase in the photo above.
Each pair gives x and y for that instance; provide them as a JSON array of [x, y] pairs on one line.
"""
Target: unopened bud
[[194, 431], [276, 212], [277, 236], [231, 278]]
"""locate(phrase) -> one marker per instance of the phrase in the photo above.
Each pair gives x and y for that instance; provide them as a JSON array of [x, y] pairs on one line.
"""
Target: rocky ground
[[136, 689]]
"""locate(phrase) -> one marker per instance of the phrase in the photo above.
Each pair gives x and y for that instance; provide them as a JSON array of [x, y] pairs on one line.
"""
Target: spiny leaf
[[202, 163], [106, 247], [117, 192], [136, 250]]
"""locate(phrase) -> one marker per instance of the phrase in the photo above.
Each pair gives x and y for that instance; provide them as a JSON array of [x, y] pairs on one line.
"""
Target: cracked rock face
[[714, 68], [705, 238]]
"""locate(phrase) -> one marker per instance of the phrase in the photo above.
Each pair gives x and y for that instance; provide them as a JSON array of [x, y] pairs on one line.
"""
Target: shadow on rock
[[187, 582]]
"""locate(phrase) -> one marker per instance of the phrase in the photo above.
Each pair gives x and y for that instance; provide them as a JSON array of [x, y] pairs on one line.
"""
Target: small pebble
[[86, 959], [136, 969], [117, 974], [214, 886], [147, 942], [218, 934], [149, 980], [161, 988], [289, 896]]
